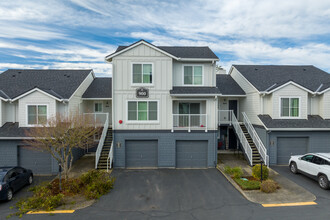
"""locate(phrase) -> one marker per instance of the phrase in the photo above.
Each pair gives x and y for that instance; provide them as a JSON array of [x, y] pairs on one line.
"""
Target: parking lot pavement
[[5, 205], [322, 196]]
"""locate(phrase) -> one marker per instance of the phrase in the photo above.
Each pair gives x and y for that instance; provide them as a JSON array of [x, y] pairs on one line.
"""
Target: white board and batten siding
[[326, 105], [123, 90], [9, 112], [1, 113], [208, 73], [76, 99], [290, 91], [33, 99], [251, 104]]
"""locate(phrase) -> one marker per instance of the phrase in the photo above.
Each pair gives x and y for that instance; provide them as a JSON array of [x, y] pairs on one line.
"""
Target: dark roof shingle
[[313, 121], [101, 87], [264, 77], [228, 86], [59, 83], [191, 52]]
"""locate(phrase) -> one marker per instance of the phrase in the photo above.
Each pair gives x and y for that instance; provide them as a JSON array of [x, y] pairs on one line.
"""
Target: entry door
[[233, 106], [187, 109]]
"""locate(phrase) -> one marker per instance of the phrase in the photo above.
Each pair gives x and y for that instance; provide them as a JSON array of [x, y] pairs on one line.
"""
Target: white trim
[[82, 84], [142, 121], [36, 90], [97, 99], [286, 84], [193, 95], [298, 129], [97, 102], [107, 58], [27, 113], [230, 71], [193, 73], [280, 107], [231, 95], [143, 84], [198, 59]]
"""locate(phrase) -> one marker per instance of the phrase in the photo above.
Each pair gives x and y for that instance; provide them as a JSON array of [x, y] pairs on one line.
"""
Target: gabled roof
[[176, 52], [228, 86], [60, 84], [268, 78], [311, 123], [100, 88]]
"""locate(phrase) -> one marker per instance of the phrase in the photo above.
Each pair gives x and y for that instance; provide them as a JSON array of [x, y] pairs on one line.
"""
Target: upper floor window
[[37, 114], [142, 73], [290, 107], [98, 107], [193, 75], [142, 110]]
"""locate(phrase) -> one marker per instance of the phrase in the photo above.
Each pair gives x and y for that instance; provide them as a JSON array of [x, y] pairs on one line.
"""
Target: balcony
[[189, 122], [97, 118]]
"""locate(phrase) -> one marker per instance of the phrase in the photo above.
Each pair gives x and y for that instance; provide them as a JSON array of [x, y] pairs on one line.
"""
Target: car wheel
[[30, 180], [293, 168], [9, 194], [323, 182]]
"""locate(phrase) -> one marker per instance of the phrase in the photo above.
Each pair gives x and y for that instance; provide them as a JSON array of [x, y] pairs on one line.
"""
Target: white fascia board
[[96, 98], [299, 129], [231, 69], [231, 95], [193, 95], [288, 83], [82, 84], [137, 44], [36, 90], [5, 100], [197, 59], [320, 93]]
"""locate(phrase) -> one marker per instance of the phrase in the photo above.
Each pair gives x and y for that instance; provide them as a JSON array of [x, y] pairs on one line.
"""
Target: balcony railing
[[225, 117], [97, 118], [190, 122]]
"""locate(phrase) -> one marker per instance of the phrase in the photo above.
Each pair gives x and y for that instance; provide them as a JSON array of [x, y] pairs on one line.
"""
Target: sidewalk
[[289, 192]]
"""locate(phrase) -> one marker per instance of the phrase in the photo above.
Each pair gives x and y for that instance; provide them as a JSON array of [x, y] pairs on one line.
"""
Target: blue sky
[[80, 33]]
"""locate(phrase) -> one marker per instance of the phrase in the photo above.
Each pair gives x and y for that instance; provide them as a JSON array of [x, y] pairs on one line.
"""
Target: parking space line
[[52, 212], [289, 204]]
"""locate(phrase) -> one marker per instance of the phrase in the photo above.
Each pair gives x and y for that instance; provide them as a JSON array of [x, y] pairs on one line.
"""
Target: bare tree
[[60, 135]]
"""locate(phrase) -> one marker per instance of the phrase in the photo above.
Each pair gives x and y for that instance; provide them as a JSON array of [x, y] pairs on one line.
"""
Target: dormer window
[[193, 75], [290, 107], [36, 114], [142, 73]]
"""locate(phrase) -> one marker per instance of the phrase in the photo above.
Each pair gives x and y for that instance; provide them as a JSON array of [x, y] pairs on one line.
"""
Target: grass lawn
[[250, 184]]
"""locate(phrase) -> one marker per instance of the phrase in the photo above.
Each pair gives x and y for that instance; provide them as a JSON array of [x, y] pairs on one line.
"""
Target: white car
[[315, 165]]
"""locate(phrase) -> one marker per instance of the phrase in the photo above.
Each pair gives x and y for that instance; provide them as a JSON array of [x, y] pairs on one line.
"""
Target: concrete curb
[[235, 185]]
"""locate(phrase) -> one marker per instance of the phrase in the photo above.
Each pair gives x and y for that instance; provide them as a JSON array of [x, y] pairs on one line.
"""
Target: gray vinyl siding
[[318, 142], [166, 144], [46, 164]]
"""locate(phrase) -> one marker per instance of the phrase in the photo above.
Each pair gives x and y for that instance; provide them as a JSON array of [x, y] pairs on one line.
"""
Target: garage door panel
[[38, 162], [287, 146], [191, 154], [141, 153]]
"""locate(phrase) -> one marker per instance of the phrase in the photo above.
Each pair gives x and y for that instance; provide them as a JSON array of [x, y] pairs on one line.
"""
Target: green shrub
[[235, 172], [248, 184], [256, 171], [268, 186]]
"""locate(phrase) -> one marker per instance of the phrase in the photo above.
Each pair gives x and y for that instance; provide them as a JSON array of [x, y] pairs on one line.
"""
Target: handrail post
[[189, 123]]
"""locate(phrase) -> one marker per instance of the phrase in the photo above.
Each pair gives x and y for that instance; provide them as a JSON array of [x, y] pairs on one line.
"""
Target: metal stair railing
[[246, 146], [110, 157], [256, 139], [101, 141]]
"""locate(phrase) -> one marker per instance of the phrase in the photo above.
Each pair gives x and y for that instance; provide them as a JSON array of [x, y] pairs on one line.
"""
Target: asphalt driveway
[[24, 192], [181, 194]]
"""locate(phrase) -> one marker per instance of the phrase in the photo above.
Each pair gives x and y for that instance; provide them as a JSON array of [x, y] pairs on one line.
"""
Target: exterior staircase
[[102, 164], [256, 158]]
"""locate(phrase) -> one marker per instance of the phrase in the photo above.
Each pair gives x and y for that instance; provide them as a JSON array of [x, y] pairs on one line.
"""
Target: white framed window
[[290, 107], [193, 75], [142, 73], [37, 114], [142, 111], [98, 107]]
